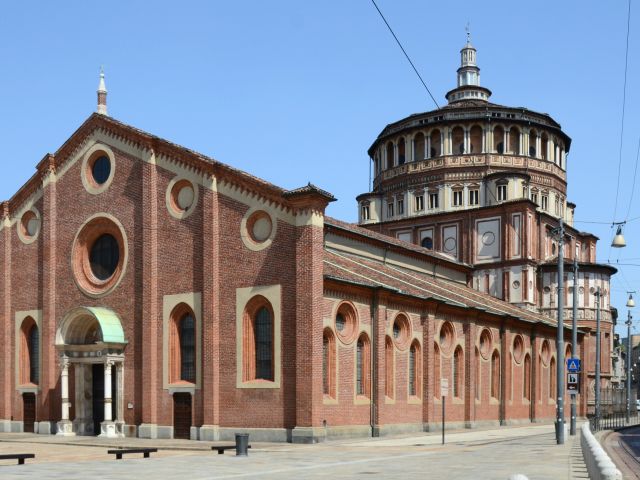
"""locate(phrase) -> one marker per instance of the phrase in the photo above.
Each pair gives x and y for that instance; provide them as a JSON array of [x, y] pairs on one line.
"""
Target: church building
[[148, 290]]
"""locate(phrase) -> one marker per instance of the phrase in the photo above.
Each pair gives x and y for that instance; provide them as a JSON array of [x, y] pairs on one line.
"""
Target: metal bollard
[[242, 444]]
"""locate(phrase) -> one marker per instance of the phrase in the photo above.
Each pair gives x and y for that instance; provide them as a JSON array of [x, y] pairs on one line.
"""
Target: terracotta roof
[[353, 269], [309, 188], [379, 237]]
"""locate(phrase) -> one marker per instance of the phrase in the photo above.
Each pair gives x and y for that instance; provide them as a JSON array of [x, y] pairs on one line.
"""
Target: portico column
[[64, 387], [65, 427], [107, 390]]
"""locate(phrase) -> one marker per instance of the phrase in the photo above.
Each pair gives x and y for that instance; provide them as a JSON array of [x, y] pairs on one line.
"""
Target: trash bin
[[242, 444]]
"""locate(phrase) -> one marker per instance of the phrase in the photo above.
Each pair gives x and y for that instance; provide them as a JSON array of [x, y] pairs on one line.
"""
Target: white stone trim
[[84, 172], [194, 301], [245, 235], [273, 293], [27, 240], [181, 215], [20, 316]]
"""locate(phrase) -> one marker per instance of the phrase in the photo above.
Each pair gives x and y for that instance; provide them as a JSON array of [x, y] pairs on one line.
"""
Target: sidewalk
[[470, 454]]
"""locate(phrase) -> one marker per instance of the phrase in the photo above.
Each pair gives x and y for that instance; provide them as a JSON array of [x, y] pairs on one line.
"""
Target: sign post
[[444, 391]]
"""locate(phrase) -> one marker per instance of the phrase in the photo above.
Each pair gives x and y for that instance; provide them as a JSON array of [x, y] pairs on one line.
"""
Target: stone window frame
[[97, 150], [19, 368], [172, 306], [247, 237], [179, 312], [249, 300], [329, 370], [178, 182], [415, 348], [419, 201], [362, 395], [21, 228]]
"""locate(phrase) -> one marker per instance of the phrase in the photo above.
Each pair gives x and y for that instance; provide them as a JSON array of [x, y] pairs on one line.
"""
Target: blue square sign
[[573, 365]]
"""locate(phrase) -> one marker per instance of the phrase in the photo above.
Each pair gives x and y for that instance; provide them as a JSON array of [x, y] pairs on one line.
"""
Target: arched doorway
[[90, 340]]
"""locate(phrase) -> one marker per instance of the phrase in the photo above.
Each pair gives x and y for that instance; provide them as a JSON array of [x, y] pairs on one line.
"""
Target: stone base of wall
[[153, 431]]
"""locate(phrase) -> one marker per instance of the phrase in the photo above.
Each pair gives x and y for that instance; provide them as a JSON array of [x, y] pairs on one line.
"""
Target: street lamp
[[630, 304], [618, 240], [559, 233]]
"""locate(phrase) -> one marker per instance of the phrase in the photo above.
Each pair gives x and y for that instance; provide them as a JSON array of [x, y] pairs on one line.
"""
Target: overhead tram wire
[[405, 54], [633, 184], [624, 98]]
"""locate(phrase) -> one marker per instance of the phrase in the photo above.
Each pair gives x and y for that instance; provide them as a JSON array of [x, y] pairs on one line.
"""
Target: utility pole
[[560, 338], [628, 355], [597, 386], [574, 339]]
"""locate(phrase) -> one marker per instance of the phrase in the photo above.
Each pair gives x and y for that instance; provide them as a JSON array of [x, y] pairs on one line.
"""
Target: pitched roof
[[353, 269]]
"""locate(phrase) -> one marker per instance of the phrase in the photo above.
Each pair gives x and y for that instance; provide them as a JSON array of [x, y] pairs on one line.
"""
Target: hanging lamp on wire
[[618, 240]]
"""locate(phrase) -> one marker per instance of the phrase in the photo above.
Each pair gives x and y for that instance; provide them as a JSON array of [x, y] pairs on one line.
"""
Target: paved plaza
[[477, 454]]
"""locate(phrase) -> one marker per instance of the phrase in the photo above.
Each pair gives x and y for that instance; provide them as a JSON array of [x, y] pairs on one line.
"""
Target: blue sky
[[297, 91]]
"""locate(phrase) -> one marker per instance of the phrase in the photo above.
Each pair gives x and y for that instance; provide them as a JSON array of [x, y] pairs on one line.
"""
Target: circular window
[[485, 343], [104, 256], [518, 348], [516, 284], [258, 229], [346, 322], [450, 244], [29, 226], [182, 198], [101, 169], [98, 168], [488, 238], [401, 331], [99, 255], [447, 335], [546, 290], [427, 242]]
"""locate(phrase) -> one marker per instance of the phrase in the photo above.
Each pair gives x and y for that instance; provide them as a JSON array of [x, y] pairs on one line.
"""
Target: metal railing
[[613, 410]]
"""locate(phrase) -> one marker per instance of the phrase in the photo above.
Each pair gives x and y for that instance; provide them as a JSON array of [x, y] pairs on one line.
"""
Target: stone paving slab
[[493, 454]]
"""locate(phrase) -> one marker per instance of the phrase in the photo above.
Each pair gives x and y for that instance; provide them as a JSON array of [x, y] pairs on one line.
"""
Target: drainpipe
[[375, 429]]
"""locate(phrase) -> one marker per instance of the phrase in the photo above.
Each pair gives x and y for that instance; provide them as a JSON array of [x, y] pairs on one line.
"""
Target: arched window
[[436, 144], [498, 139], [495, 374], [436, 370], [514, 141], [182, 345], [258, 351], [29, 352], [544, 141], [475, 137], [363, 371], [458, 376], [478, 381], [457, 139], [388, 367], [264, 344], [552, 378], [188, 348], [418, 147], [533, 140], [526, 382], [34, 355], [329, 363], [390, 155], [415, 375], [401, 151]]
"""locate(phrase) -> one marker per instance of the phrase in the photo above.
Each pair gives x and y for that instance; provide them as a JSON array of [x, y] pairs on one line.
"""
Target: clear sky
[[295, 91]]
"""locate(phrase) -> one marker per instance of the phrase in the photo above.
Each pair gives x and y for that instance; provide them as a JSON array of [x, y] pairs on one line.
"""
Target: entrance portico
[[91, 340]]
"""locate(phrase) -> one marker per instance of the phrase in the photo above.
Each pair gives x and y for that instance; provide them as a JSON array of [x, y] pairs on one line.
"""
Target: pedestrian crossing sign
[[573, 364]]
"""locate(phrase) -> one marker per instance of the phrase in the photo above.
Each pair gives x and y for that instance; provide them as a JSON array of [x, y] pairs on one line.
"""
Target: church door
[[182, 415], [29, 409]]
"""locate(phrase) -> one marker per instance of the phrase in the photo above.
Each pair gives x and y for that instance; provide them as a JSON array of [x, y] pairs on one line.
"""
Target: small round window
[[447, 336], [427, 242], [101, 169], [29, 226], [104, 256], [346, 322], [401, 331], [259, 226]]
